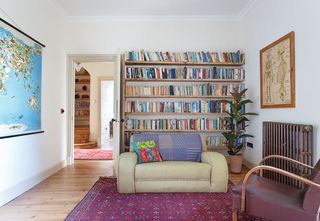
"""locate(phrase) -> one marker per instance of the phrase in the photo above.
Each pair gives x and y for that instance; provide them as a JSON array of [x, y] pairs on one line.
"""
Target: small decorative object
[[146, 151], [20, 82], [235, 124], [277, 86]]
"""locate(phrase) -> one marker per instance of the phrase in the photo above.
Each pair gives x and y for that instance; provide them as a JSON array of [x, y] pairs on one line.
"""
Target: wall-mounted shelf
[[162, 63], [157, 74]]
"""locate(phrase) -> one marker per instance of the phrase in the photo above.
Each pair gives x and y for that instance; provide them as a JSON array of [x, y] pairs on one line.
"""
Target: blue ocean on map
[[20, 85]]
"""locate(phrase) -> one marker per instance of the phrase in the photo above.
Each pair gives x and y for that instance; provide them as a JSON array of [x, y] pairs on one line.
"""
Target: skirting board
[[16, 190]]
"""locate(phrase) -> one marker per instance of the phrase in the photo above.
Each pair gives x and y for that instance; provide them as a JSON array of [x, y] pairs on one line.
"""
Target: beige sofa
[[209, 175]]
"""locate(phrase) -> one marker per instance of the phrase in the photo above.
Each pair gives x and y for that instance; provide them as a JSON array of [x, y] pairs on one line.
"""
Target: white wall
[[26, 160], [267, 21], [97, 71], [119, 36]]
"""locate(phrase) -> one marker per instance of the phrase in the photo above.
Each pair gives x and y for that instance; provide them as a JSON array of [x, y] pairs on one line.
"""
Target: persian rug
[[92, 154], [103, 203]]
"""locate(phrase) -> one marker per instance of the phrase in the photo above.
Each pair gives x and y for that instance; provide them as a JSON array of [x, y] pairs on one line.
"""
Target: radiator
[[290, 140]]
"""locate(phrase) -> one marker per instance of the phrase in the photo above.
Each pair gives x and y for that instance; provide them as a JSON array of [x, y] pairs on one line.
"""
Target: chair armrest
[[126, 168], [219, 171], [273, 169], [284, 158]]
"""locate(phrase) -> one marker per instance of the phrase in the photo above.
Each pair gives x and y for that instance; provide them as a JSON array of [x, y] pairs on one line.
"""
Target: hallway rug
[[92, 154], [103, 202]]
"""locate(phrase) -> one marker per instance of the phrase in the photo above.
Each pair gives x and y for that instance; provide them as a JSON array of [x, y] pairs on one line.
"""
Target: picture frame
[[277, 70], [20, 82]]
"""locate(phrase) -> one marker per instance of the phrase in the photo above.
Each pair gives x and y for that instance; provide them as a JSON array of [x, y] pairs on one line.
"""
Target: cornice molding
[[153, 18]]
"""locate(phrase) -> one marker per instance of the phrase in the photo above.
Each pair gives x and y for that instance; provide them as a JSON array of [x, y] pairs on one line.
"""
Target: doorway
[[97, 97], [106, 113]]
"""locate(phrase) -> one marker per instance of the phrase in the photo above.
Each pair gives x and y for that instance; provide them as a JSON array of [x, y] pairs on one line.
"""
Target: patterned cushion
[[174, 146], [146, 151]]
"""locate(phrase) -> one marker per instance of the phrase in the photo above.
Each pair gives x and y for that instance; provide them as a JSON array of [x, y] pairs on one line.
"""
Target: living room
[[75, 31]]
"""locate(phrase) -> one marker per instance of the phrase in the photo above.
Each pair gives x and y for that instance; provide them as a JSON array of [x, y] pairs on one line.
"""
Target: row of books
[[211, 141], [214, 141], [215, 73], [183, 90], [208, 57], [201, 106], [208, 124], [184, 73]]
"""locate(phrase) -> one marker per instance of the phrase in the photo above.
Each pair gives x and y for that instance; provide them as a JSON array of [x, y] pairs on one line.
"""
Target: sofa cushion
[[174, 146], [172, 170], [146, 151]]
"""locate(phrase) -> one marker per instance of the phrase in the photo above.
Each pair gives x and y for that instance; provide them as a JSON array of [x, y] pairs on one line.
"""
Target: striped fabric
[[174, 146]]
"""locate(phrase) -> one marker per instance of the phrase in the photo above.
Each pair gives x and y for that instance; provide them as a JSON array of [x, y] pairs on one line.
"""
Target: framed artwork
[[20, 82], [277, 84]]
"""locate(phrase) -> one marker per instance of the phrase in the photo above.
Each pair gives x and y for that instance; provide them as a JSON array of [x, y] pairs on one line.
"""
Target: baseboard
[[248, 164], [16, 190], [69, 160]]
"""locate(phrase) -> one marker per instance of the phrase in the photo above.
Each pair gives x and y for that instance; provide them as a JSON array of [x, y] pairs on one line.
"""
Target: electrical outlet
[[249, 144]]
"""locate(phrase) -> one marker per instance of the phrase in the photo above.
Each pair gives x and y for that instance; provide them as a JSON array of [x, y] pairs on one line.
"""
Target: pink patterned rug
[[92, 154], [103, 203]]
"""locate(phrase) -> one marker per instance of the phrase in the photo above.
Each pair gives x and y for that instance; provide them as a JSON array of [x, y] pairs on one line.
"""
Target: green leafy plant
[[236, 122]]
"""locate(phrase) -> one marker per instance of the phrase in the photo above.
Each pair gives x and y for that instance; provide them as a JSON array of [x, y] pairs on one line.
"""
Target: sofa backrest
[[311, 201], [174, 146]]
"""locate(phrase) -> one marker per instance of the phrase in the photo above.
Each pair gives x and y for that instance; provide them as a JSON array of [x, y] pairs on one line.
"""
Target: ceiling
[[153, 8]]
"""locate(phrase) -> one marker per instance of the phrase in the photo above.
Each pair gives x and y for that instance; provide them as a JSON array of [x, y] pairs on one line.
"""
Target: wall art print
[[277, 84], [20, 82]]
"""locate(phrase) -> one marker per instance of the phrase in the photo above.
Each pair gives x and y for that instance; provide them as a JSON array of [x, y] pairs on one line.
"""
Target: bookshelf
[[178, 92], [82, 99], [186, 63]]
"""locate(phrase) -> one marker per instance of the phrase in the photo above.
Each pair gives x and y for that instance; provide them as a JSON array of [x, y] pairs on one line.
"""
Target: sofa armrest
[[126, 168], [219, 171]]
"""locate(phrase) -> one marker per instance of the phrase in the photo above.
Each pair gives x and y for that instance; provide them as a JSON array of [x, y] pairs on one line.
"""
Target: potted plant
[[235, 125]]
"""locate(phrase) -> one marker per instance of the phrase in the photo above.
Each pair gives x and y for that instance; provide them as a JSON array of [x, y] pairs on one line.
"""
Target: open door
[[117, 115]]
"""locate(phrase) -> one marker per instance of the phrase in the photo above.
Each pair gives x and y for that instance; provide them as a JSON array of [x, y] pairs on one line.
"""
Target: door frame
[[100, 79], [72, 59]]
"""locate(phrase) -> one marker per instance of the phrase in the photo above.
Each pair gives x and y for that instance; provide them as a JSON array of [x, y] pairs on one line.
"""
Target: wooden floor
[[55, 197]]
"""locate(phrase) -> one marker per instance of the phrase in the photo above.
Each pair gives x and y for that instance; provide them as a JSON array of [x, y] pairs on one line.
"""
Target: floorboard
[[56, 196]]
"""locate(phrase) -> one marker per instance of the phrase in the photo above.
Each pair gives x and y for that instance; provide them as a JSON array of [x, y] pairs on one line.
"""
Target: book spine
[[204, 124]]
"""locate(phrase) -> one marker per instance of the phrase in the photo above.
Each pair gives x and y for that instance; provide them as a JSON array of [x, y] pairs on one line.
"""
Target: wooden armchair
[[275, 201]]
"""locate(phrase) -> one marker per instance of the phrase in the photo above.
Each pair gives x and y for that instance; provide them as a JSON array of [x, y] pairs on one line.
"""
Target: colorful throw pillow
[[146, 151]]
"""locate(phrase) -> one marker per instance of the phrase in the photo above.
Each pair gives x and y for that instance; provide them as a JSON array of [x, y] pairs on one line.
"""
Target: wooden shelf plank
[[171, 113], [82, 92], [180, 63], [184, 80], [210, 97], [221, 147], [202, 131], [82, 99]]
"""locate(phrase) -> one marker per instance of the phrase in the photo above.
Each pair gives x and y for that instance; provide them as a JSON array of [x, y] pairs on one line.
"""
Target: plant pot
[[235, 163]]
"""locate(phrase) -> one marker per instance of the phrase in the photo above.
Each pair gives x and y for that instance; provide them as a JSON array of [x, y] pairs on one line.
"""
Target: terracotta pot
[[235, 163]]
